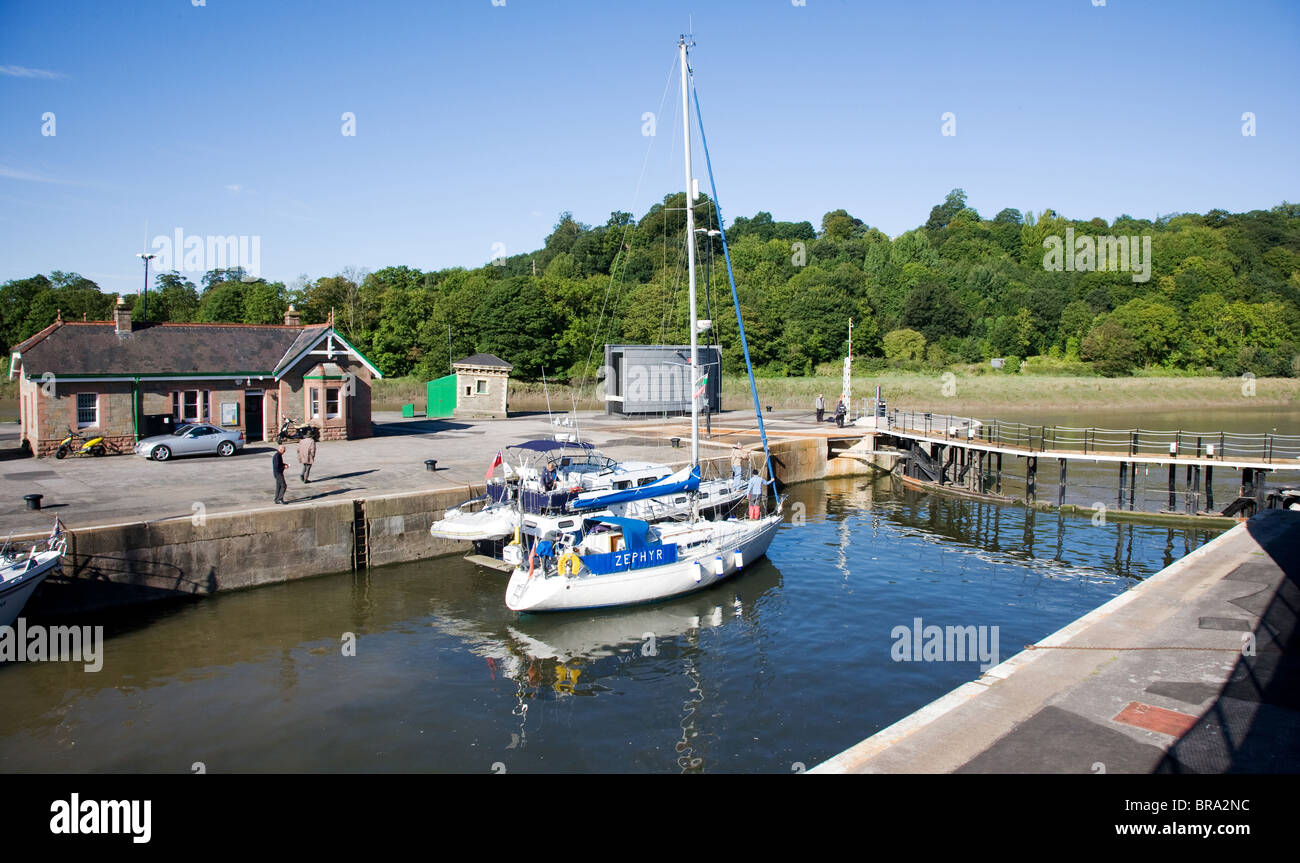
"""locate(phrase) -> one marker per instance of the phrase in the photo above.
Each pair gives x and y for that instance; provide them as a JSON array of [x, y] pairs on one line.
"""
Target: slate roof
[[482, 360], [81, 348]]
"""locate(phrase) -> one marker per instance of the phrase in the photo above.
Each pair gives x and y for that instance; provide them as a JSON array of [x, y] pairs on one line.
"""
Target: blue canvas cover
[[635, 530], [686, 479], [648, 554]]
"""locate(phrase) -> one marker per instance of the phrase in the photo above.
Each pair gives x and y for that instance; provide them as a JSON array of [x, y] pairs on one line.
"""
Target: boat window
[[568, 523], [622, 484], [679, 500], [646, 480]]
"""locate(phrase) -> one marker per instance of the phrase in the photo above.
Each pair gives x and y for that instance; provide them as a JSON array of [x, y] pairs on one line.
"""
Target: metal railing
[[1266, 447]]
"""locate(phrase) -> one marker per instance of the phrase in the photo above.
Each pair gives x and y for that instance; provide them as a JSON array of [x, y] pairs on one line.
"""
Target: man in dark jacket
[[278, 467]]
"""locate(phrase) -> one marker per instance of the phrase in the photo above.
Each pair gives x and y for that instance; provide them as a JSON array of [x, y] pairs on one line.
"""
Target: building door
[[253, 430], [440, 397]]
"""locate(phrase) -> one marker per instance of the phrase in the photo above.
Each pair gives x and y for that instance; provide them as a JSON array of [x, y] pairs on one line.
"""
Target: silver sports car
[[191, 439]]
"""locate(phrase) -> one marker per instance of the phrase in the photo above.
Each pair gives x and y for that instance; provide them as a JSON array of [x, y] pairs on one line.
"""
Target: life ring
[[570, 564]]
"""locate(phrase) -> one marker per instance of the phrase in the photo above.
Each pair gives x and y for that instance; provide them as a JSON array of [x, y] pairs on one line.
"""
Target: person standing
[[840, 411], [737, 462], [278, 468], [307, 455], [755, 494], [821, 407]]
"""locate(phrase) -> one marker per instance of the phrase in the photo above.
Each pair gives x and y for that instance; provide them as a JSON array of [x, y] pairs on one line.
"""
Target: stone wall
[[56, 411], [137, 562], [399, 525]]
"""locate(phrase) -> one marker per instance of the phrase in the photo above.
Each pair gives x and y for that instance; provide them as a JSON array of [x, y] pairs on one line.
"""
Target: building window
[[190, 406], [331, 402], [87, 410], [469, 391], [315, 403], [481, 386]]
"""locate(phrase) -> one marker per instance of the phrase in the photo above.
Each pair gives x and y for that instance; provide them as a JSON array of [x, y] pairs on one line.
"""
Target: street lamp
[[144, 307]]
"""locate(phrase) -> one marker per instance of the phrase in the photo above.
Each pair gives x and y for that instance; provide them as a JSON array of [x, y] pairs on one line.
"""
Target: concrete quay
[[1196, 670]]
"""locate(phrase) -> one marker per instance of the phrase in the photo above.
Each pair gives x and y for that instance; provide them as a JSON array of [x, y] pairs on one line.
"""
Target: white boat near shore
[[22, 572]]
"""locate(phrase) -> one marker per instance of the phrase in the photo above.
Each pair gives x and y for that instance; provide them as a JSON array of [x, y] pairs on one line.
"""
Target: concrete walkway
[[1136, 705]]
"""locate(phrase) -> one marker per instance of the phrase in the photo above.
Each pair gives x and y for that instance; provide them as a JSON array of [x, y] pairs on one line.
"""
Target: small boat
[[617, 560], [22, 572]]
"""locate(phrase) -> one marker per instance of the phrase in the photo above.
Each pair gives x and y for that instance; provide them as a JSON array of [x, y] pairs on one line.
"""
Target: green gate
[[440, 397]]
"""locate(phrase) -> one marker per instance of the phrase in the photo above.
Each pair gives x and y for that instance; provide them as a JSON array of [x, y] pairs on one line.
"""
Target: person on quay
[[821, 407], [278, 468], [737, 462], [840, 412], [307, 456], [755, 494]]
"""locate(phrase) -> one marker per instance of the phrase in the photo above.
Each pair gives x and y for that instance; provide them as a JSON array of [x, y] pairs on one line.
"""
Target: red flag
[[496, 461]]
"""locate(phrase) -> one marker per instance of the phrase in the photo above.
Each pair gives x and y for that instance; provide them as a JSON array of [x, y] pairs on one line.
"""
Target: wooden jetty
[[966, 452]]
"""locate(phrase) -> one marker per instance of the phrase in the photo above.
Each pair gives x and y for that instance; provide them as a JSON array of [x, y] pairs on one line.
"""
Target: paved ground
[[1135, 706], [85, 492]]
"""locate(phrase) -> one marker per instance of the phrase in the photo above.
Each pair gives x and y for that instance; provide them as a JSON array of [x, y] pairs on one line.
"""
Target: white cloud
[[24, 72], [16, 174]]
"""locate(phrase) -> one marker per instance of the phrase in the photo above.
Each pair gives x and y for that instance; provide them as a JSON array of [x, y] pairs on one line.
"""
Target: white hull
[[492, 523], [696, 569], [20, 581]]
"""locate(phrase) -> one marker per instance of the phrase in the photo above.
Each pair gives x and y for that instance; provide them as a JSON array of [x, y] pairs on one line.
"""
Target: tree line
[[1221, 295]]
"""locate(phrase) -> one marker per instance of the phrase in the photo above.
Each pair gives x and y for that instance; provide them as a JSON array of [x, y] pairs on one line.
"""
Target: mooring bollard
[[431, 464], [33, 500], [677, 442]]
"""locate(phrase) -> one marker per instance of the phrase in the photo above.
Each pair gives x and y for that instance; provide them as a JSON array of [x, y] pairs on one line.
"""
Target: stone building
[[126, 380], [482, 382]]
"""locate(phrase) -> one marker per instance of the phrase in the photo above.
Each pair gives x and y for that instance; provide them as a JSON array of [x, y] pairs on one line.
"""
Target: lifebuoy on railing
[[570, 564]]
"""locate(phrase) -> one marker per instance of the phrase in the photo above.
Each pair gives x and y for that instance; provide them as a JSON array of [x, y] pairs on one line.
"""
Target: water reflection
[[996, 534], [552, 657]]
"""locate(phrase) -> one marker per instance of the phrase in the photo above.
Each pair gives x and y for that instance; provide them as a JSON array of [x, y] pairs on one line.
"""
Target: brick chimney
[[292, 318], [122, 317]]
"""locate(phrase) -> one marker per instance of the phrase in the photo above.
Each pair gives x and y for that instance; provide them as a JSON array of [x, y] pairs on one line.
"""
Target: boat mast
[[690, 257]]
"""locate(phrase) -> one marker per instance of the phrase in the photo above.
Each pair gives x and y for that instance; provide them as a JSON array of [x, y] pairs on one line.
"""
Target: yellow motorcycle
[[75, 444]]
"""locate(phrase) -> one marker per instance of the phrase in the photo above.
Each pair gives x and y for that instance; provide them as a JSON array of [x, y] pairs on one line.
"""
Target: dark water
[[787, 665]]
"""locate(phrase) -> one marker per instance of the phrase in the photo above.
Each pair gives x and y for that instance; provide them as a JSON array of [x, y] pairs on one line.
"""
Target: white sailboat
[[626, 561], [22, 572]]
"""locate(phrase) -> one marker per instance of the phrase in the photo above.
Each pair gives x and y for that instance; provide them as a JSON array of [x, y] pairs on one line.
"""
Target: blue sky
[[478, 124]]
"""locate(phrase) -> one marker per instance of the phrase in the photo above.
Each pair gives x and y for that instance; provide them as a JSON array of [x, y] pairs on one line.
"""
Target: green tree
[[222, 302], [177, 298], [942, 214], [904, 345], [1111, 348]]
